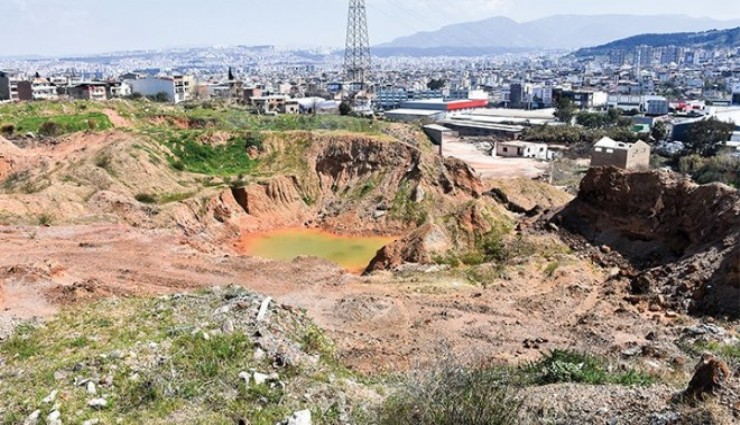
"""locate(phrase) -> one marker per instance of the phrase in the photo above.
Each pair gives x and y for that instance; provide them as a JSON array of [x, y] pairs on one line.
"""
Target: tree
[[659, 131], [706, 137], [565, 110], [161, 97], [345, 108], [436, 84]]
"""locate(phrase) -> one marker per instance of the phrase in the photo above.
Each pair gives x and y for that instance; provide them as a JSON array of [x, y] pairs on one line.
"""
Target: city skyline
[[48, 28]]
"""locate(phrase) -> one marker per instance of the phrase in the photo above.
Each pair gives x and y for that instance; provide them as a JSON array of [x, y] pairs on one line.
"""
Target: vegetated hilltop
[[714, 39], [560, 31], [682, 239]]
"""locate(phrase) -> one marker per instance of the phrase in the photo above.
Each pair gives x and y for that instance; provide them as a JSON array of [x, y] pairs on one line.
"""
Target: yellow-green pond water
[[351, 252]]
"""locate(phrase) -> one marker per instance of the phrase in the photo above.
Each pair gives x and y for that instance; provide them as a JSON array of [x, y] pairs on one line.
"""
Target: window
[[506, 149], [598, 150], [610, 151]]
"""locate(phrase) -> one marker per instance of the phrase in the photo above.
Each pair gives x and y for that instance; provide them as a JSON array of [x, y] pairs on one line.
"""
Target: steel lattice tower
[[357, 50]]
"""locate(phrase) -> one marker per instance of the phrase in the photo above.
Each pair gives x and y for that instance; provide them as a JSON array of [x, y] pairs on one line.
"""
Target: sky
[[61, 27]]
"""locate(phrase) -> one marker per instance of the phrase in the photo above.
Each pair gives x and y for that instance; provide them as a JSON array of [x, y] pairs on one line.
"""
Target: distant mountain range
[[555, 32], [706, 39]]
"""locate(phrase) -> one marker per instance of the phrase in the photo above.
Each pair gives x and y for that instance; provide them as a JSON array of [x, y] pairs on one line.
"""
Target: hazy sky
[[49, 27]]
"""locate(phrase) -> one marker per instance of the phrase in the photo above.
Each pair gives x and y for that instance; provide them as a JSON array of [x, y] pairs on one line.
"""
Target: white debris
[[263, 309], [33, 418], [98, 403], [300, 418]]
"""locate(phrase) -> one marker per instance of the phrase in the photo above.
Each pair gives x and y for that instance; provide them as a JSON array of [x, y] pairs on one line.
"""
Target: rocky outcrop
[[709, 376], [420, 247], [682, 238]]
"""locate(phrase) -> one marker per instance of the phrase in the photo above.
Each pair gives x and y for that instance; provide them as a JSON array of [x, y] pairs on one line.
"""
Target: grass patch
[[62, 124], [189, 154], [570, 366]]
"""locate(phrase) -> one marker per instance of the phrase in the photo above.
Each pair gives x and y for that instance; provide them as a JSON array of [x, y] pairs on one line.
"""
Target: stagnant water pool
[[351, 252]]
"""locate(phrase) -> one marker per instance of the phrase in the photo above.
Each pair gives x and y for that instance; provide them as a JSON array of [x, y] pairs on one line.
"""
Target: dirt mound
[[82, 291], [682, 238]]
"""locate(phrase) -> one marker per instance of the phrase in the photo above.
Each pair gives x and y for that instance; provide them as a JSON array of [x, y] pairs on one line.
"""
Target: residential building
[[522, 149], [176, 88], [9, 85], [89, 91], [629, 156]]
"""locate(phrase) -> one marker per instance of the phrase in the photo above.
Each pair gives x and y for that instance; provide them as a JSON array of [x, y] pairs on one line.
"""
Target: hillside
[[125, 295], [555, 32], [707, 39]]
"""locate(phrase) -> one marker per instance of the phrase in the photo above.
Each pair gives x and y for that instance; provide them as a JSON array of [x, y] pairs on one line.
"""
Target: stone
[[33, 418], [228, 327], [302, 417], [98, 403], [51, 397], [632, 351], [54, 418], [245, 377], [263, 309], [260, 378], [91, 388], [259, 355], [378, 214], [91, 422]]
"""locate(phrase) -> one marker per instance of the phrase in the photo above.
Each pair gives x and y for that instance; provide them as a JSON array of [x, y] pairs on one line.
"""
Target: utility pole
[[357, 64]]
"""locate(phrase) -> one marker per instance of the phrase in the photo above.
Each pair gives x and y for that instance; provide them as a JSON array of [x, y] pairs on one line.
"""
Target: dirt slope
[[682, 238]]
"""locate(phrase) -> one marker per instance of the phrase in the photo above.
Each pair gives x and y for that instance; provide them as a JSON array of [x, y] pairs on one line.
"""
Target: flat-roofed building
[[629, 156], [520, 149]]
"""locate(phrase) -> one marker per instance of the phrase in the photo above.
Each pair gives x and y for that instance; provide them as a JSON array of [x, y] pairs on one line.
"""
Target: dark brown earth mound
[[682, 238]]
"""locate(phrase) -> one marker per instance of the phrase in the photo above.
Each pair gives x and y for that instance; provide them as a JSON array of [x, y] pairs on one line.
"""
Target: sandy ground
[[493, 167], [380, 323]]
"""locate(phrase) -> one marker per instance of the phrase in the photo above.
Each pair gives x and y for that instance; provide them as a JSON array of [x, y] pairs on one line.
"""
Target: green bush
[[454, 394], [722, 169], [571, 366]]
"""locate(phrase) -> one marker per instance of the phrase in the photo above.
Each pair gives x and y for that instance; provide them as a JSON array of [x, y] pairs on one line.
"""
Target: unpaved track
[[380, 323]]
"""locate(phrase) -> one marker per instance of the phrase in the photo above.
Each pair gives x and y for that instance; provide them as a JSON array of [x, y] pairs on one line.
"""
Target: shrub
[[145, 198], [49, 129], [722, 169], [453, 394], [7, 130]]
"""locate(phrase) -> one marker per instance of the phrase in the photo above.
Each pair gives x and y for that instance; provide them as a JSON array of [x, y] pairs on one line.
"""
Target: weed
[[104, 161], [452, 393], [45, 219], [551, 269]]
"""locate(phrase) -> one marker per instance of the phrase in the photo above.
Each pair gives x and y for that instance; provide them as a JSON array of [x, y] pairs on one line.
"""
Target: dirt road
[[494, 167]]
